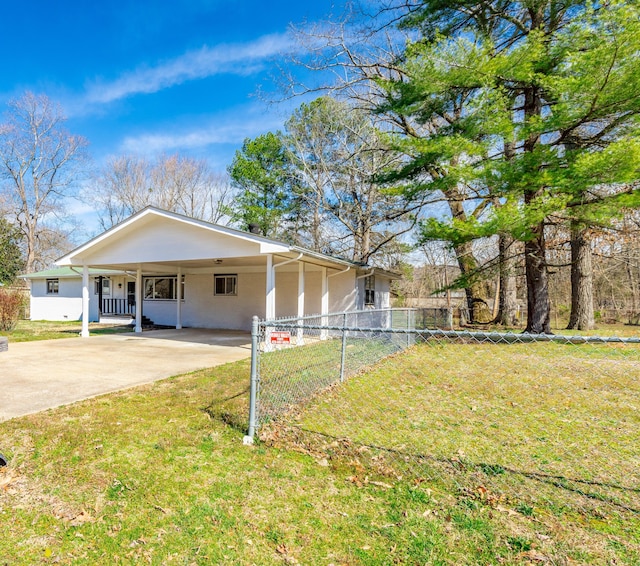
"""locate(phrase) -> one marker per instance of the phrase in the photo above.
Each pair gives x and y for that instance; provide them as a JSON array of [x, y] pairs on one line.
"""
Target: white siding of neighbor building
[[65, 305]]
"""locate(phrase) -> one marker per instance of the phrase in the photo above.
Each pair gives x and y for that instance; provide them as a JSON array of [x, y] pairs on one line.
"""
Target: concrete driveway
[[35, 376]]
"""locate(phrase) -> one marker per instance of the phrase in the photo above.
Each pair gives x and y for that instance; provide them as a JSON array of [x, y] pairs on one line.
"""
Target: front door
[[131, 297]]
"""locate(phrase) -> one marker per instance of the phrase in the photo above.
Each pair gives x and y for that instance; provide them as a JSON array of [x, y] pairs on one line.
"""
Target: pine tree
[[533, 112]]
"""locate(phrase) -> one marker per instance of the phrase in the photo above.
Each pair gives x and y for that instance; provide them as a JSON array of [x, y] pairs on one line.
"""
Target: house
[[187, 272], [56, 294]]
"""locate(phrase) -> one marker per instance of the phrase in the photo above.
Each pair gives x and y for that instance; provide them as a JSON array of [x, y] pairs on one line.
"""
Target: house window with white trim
[[370, 290], [226, 285], [106, 287], [161, 288], [53, 286]]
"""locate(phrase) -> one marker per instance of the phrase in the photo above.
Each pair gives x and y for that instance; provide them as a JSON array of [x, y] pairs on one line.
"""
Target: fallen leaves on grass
[[285, 552], [21, 492]]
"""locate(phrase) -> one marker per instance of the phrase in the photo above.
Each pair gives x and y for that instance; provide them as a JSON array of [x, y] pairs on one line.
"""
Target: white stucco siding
[[65, 305], [383, 295], [118, 287], [312, 292], [202, 309], [342, 292], [160, 312], [286, 293]]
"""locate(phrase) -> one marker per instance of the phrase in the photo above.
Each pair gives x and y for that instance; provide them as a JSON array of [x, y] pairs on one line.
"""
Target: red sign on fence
[[279, 337]]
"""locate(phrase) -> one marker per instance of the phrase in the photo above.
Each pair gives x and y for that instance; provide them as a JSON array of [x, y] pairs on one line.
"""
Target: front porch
[[117, 307]]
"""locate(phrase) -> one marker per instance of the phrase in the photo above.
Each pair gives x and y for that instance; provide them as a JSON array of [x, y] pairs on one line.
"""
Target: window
[[161, 288], [370, 290], [106, 287], [225, 284], [53, 286]]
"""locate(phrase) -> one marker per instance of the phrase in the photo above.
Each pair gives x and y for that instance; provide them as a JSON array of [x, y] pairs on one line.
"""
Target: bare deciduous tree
[[337, 154], [127, 184], [40, 166]]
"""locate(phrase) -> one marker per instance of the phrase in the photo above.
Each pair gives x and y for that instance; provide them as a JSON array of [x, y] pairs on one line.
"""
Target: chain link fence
[[508, 416]]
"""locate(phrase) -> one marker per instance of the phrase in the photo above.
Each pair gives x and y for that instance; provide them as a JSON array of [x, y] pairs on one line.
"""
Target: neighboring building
[[223, 277]]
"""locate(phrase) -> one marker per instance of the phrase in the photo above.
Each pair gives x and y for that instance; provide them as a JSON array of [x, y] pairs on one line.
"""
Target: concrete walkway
[[35, 376]]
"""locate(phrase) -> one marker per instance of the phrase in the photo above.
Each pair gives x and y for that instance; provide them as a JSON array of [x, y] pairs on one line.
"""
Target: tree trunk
[[30, 260], [581, 317], [474, 290], [507, 298], [538, 306]]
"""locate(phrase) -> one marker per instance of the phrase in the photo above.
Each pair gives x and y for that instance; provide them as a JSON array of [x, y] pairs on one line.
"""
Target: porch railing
[[118, 306]]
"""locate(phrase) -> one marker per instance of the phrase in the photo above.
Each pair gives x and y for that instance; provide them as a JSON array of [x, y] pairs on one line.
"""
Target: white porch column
[[85, 302], [179, 300], [139, 300], [270, 307], [324, 309], [300, 340]]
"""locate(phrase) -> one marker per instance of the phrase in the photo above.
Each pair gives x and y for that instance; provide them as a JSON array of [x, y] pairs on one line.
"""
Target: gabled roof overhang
[[159, 241]]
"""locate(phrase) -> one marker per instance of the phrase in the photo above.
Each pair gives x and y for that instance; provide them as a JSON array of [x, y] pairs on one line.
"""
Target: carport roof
[[160, 240]]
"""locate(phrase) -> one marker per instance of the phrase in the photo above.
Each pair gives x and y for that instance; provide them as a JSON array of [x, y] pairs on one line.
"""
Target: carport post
[[139, 296], [179, 299], [253, 394], [85, 302], [324, 304], [343, 354]]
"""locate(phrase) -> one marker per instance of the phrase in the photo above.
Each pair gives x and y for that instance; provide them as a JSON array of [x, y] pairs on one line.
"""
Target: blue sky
[[149, 77]]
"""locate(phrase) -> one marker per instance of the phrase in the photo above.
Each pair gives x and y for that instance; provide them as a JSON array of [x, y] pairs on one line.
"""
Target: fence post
[[253, 394], [344, 346]]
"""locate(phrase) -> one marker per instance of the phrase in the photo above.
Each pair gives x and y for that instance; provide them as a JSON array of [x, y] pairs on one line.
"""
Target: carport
[[42, 375], [184, 272]]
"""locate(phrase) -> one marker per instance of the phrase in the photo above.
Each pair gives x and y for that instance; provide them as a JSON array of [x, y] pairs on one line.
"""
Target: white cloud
[[228, 130], [235, 58]]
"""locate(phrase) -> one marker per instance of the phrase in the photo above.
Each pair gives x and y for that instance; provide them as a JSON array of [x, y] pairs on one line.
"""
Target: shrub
[[10, 304]]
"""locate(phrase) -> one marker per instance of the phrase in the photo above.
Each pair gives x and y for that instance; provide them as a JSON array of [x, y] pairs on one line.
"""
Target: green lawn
[[30, 330], [150, 476], [158, 474], [537, 441]]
